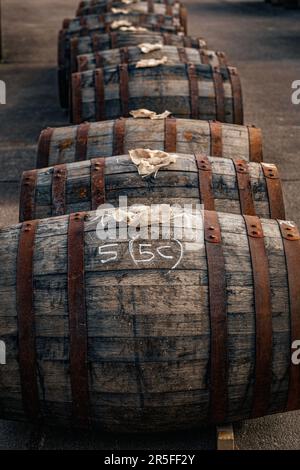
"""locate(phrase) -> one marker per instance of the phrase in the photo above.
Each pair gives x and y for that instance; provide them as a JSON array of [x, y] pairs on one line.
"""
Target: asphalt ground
[[263, 41]]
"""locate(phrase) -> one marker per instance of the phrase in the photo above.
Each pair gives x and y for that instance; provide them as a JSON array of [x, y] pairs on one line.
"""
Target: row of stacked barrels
[[113, 333]]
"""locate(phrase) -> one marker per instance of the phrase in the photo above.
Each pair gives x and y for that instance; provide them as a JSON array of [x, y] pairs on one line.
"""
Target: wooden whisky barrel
[[149, 6], [108, 138], [187, 90], [176, 11], [131, 55], [121, 339], [95, 42], [71, 45], [107, 22], [119, 3], [218, 183]]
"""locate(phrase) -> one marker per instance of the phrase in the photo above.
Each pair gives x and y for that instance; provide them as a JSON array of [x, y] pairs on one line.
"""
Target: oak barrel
[[108, 138], [186, 90], [149, 6], [101, 336], [218, 183], [129, 55], [70, 45], [109, 22], [91, 3]]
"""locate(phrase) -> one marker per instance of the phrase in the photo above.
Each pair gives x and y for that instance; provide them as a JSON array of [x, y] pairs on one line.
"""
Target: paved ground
[[263, 42]]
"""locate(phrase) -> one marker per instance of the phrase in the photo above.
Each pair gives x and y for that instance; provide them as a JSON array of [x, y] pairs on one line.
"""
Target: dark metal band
[[109, 5], [113, 40], [291, 243], [124, 89], [187, 41], [255, 144], [169, 9], [237, 99], [99, 60], [66, 23], [99, 95], [81, 142], [222, 59], [194, 93], [182, 16], [74, 54], [274, 188], [205, 182], [203, 57], [27, 195], [218, 318], [119, 136], [124, 55], [59, 179], [263, 316], [82, 63], [97, 182], [78, 321], [43, 150], [219, 93], [216, 141], [160, 21], [26, 321], [96, 43], [76, 99], [142, 19], [170, 135], [167, 39], [83, 21], [150, 6], [182, 55], [244, 187]]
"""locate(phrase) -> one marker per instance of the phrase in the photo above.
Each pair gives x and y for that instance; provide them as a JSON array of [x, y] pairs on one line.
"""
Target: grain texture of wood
[[106, 22], [176, 9], [187, 91], [133, 54], [89, 40], [95, 42], [158, 7], [148, 327], [177, 183], [75, 143], [91, 3]]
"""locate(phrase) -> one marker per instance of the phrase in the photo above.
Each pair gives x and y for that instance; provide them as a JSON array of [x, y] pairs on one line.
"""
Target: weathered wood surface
[[105, 22], [134, 54], [165, 87], [99, 7], [176, 183], [91, 3], [70, 45], [99, 42], [141, 7], [60, 145], [148, 330]]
